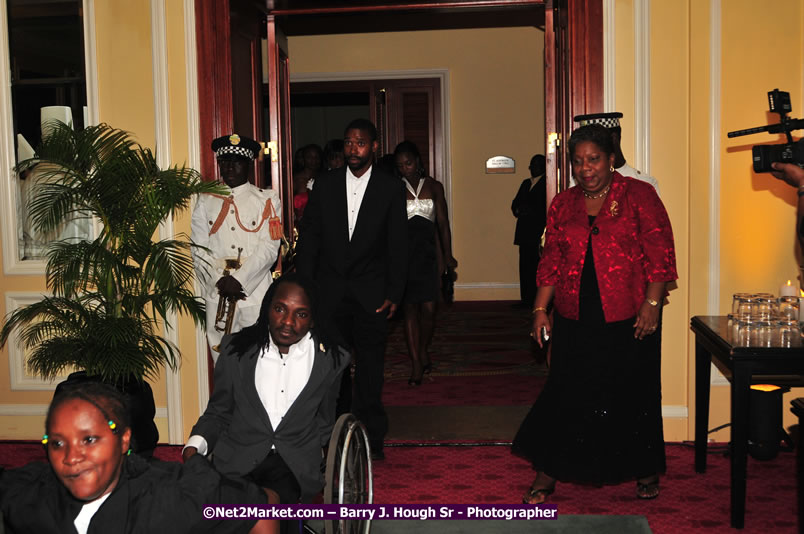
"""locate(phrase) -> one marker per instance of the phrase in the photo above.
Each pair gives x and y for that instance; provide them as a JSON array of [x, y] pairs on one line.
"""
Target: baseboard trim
[[487, 285], [675, 412]]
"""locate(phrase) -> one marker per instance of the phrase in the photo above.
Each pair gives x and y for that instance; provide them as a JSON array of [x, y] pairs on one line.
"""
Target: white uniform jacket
[[244, 225]]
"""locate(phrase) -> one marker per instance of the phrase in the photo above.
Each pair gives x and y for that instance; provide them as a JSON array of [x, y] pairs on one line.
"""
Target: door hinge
[[270, 147], [553, 141]]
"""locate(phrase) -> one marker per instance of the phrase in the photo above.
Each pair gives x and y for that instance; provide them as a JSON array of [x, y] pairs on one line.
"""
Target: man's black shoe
[[377, 454]]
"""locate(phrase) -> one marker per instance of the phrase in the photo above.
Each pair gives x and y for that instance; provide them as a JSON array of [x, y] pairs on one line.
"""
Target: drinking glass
[[788, 308], [766, 334], [746, 307], [789, 333], [766, 309], [746, 332], [735, 302], [732, 330]]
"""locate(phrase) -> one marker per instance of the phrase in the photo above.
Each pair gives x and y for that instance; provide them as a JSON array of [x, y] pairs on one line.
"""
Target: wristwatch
[[652, 302]]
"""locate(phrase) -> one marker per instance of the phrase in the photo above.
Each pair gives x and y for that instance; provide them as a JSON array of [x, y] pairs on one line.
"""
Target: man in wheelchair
[[273, 404]]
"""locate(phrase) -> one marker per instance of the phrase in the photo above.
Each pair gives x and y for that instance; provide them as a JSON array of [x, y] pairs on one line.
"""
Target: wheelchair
[[348, 477]]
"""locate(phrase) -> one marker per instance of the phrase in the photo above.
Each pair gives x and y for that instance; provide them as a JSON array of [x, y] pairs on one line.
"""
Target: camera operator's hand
[[789, 172]]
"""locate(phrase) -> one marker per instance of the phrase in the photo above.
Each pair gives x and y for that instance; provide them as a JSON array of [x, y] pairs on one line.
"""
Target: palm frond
[[110, 294]]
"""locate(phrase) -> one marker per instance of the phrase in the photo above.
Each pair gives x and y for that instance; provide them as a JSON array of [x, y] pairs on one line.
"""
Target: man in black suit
[[354, 245], [273, 406], [530, 209]]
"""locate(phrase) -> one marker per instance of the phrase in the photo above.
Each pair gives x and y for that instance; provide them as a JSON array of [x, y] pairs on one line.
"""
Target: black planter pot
[[141, 408]]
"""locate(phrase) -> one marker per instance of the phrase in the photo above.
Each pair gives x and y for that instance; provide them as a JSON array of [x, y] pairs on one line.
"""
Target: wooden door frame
[[441, 163], [573, 54], [214, 78], [281, 156], [579, 63]]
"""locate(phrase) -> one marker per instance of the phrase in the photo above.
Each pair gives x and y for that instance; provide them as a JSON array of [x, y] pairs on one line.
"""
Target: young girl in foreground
[[93, 484]]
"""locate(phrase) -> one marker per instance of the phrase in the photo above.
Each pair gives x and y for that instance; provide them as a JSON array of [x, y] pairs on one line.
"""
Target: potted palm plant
[[110, 294]]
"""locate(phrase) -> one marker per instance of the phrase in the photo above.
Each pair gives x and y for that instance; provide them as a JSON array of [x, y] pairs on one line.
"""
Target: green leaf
[[111, 294]]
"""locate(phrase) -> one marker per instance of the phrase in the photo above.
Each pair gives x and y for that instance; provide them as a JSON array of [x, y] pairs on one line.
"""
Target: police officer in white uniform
[[244, 224], [612, 122]]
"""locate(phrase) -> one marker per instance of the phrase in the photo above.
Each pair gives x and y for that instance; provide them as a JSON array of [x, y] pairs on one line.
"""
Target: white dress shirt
[[279, 379], [84, 517], [355, 189]]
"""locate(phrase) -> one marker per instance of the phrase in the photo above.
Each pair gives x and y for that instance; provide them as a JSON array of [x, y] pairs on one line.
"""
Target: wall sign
[[500, 165]]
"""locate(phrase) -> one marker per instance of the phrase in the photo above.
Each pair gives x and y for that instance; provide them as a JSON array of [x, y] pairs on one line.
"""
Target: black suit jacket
[[372, 266], [239, 432], [530, 209]]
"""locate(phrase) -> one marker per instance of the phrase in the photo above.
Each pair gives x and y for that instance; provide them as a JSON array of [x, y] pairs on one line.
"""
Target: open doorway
[[402, 108], [317, 117]]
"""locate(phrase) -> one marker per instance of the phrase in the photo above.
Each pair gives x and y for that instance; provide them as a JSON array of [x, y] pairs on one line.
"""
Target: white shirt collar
[[355, 191], [366, 175], [88, 510], [302, 347]]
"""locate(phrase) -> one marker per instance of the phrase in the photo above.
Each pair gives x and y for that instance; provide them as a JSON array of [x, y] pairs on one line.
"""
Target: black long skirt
[[599, 418], [422, 283]]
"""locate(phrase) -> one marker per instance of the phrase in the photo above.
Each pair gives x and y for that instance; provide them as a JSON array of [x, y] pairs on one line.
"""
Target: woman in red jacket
[[607, 257]]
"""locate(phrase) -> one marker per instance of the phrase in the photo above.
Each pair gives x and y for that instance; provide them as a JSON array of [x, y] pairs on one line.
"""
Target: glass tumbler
[[767, 309], [736, 300], [746, 332], [789, 333], [766, 334], [788, 308], [746, 308]]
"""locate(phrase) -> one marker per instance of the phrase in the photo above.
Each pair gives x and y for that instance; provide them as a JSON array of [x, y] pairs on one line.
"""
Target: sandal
[[648, 490], [536, 495]]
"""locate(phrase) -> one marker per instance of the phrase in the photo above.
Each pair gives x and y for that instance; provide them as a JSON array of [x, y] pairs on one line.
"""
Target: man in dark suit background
[[354, 245], [530, 209]]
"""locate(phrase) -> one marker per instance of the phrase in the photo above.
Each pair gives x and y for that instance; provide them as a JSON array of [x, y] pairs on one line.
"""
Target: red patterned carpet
[[482, 356], [689, 503]]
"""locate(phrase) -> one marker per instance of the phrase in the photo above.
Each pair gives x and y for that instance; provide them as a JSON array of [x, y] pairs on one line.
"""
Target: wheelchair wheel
[[348, 478]]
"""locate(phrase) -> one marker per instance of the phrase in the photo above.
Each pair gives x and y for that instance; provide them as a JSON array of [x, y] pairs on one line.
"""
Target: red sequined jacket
[[632, 244]]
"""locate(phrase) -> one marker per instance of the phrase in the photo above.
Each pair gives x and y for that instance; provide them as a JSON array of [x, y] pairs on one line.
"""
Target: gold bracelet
[[537, 309]]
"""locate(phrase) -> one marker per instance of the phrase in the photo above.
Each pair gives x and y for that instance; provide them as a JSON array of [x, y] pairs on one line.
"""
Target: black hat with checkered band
[[609, 120], [236, 145]]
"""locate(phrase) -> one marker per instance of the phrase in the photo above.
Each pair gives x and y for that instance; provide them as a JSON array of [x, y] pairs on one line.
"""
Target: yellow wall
[[179, 143], [126, 100], [757, 213], [757, 217], [496, 102]]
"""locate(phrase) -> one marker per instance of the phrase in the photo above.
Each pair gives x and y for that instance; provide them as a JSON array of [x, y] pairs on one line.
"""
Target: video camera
[[790, 152]]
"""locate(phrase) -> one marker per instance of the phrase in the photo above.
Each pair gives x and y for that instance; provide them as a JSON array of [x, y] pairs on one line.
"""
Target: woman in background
[[94, 485], [608, 254], [333, 154], [308, 162], [429, 253]]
